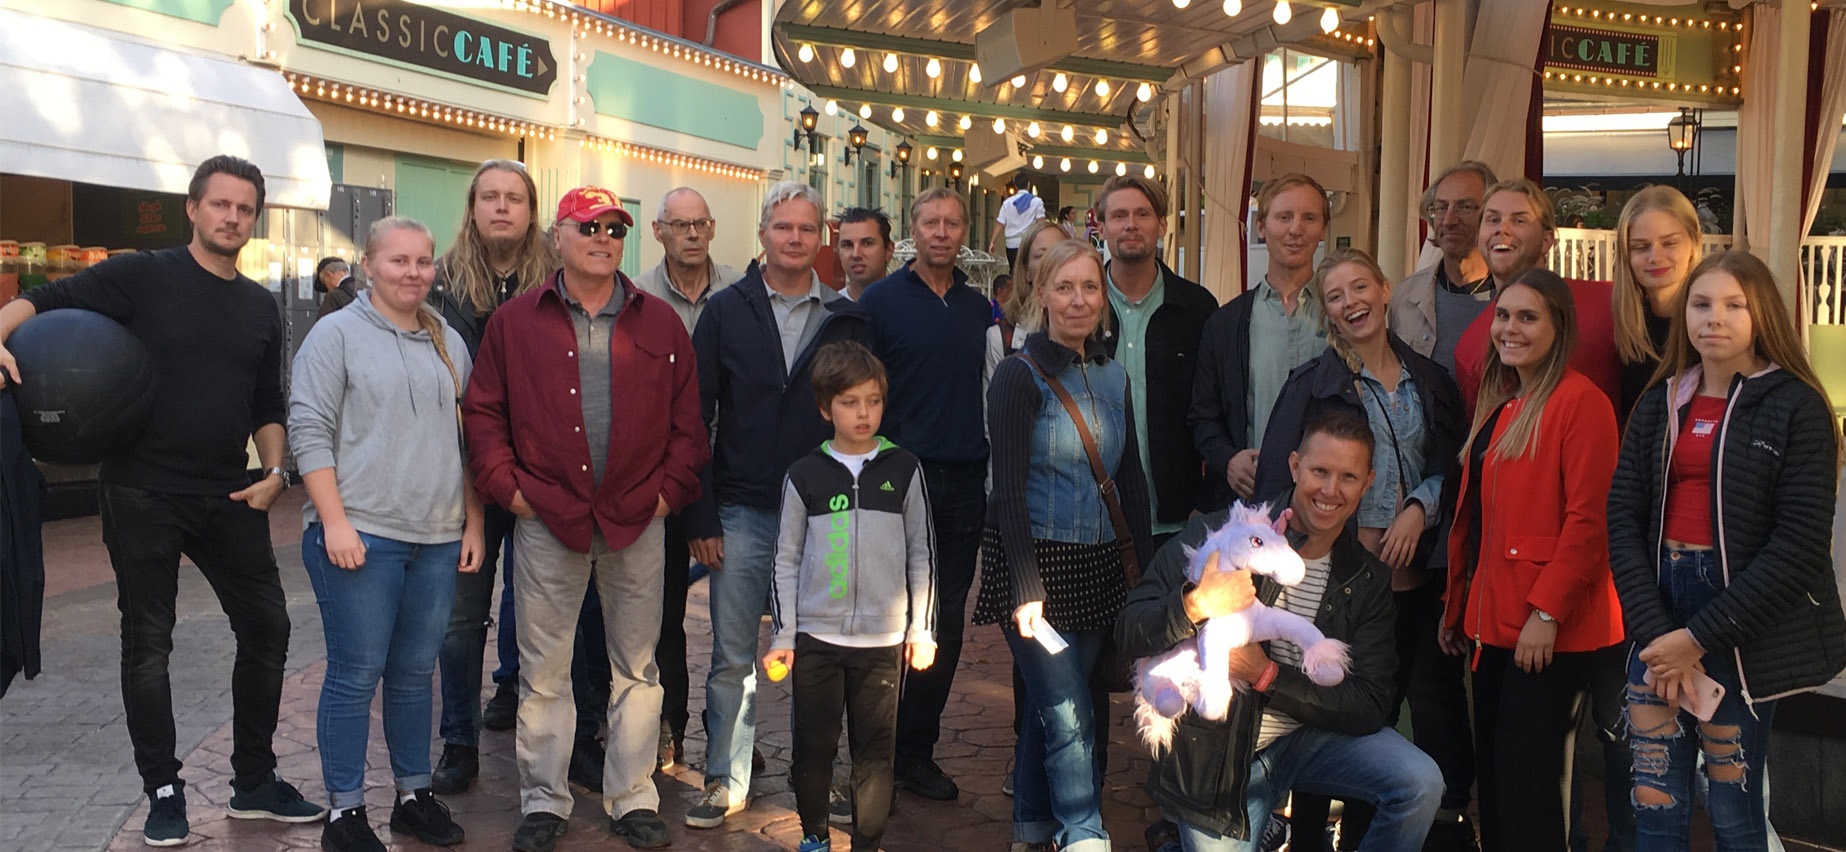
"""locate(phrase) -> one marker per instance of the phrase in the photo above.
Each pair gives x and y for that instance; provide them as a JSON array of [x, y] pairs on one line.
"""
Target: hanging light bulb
[[931, 118], [1102, 88], [934, 68], [1095, 167], [1038, 161], [1032, 130], [1283, 14], [848, 58], [999, 125], [890, 63], [931, 153], [1069, 133], [806, 53], [1148, 172], [1181, 4], [1102, 136], [1144, 92], [1019, 81], [1059, 82], [897, 113], [965, 123], [865, 110], [974, 73], [1233, 8], [1064, 164], [955, 155], [1121, 169], [1329, 20], [833, 107]]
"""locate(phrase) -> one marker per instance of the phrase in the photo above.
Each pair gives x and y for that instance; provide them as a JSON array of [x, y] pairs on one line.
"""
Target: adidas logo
[[886, 486]]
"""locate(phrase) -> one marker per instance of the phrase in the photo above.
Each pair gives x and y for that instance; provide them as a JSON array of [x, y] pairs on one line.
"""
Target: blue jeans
[[1381, 768], [1735, 741], [1057, 782], [465, 643], [506, 638], [738, 593], [383, 621]]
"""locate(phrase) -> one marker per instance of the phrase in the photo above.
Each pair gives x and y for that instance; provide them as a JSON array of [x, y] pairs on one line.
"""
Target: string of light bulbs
[[361, 97], [670, 158]]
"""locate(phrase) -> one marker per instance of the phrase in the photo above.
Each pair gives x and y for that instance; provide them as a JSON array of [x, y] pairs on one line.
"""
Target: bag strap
[[1131, 564]]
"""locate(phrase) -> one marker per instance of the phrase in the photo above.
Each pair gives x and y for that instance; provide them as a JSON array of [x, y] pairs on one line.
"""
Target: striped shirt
[[1303, 600]]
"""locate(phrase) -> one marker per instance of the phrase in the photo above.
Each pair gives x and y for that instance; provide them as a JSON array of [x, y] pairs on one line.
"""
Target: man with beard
[[686, 279], [1518, 228], [214, 339], [1431, 307], [864, 248], [930, 330], [1250, 345]]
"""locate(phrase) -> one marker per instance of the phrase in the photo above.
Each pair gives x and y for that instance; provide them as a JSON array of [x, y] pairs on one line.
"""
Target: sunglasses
[[616, 230]]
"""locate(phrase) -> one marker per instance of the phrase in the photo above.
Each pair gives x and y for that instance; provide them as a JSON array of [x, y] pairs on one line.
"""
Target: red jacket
[[1595, 356], [1544, 529], [524, 421]]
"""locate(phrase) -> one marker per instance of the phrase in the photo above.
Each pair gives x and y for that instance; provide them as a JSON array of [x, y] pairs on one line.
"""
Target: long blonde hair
[[1500, 383], [465, 265], [1021, 305], [1628, 302], [1055, 258], [427, 318], [1335, 260]]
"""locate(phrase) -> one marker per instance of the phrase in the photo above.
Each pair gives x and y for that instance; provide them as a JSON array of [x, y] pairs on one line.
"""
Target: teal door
[[434, 192]]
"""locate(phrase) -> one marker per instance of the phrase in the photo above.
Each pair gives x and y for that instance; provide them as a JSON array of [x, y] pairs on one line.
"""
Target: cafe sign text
[[429, 37]]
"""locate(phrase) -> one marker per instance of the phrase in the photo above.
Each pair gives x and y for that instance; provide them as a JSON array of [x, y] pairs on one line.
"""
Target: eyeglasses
[[616, 230], [1465, 210], [681, 226]]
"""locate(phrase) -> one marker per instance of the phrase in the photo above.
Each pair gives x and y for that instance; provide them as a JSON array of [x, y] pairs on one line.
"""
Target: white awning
[[88, 105]]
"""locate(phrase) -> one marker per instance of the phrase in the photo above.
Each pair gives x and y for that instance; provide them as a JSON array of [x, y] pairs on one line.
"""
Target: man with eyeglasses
[[755, 342], [1431, 307], [582, 418], [685, 279]]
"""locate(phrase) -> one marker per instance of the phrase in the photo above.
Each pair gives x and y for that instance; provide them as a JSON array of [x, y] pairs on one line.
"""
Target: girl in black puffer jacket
[[1720, 528]]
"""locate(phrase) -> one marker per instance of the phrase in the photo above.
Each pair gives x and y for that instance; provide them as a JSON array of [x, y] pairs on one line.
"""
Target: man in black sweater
[[215, 340]]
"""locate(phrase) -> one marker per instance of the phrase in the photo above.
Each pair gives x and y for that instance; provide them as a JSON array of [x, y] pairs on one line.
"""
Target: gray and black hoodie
[[855, 556]]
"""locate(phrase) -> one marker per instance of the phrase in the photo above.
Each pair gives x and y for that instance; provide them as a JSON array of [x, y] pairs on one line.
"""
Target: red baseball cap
[[585, 203]]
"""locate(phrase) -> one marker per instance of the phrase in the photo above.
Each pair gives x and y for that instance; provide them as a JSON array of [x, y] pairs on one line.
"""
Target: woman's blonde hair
[[1773, 333], [1021, 305], [1055, 259], [465, 265], [427, 318], [1500, 383], [1335, 260], [1628, 302]]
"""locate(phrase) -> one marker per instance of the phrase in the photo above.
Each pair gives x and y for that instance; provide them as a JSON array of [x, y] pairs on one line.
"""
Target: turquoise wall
[[202, 11], [434, 192], [638, 92]]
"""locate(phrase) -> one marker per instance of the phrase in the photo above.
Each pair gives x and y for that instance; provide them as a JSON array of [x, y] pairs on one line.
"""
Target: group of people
[[1440, 453]]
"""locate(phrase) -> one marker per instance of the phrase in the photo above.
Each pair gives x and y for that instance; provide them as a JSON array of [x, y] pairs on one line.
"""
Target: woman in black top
[[1658, 239]]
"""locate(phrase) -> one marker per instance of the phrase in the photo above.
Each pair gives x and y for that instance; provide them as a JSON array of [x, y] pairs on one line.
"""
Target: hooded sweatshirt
[[376, 404]]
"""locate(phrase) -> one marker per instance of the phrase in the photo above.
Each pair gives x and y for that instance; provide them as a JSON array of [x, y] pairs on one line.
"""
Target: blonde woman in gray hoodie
[[374, 427]]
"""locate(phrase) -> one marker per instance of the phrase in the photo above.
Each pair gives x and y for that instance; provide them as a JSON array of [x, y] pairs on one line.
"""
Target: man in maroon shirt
[[582, 417]]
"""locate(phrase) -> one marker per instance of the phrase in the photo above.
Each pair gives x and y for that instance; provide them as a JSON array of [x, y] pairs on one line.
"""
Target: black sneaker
[[503, 709], [1452, 835], [456, 770], [426, 819], [924, 778], [714, 806], [539, 832], [273, 799], [350, 832], [642, 828], [839, 804], [586, 765], [166, 817]]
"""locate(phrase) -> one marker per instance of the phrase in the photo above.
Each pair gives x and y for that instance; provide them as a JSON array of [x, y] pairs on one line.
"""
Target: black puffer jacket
[[1774, 468], [1204, 777]]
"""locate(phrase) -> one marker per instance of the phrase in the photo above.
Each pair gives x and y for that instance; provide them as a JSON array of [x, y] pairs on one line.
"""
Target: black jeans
[[1525, 735], [464, 646], [146, 533], [1608, 720], [1435, 685], [670, 654], [958, 508], [863, 682]]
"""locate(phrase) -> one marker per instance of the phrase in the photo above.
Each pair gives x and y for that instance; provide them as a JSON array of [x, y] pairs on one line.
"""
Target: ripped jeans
[[1666, 742]]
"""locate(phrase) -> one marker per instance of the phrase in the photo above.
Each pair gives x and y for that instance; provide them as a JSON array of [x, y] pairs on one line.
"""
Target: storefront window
[[1305, 100]]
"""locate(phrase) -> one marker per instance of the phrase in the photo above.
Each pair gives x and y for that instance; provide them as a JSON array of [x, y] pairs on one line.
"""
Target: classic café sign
[[429, 37], [1612, 51]]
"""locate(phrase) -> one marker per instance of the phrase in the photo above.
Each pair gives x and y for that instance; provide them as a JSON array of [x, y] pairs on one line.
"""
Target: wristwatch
[[1544, 616], [277, 471]]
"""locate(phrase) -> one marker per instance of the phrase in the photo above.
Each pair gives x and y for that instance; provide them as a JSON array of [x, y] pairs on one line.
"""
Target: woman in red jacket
[[1529, 589]]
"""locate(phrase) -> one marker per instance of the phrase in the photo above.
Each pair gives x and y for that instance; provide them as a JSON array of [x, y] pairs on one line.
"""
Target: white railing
[[1591, 254]]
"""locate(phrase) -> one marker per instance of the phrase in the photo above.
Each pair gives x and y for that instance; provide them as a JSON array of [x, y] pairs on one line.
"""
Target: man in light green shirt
[[1132, 352]]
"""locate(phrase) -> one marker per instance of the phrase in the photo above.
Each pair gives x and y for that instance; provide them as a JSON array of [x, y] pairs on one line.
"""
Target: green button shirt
[[1279, 343], [1132, 353]]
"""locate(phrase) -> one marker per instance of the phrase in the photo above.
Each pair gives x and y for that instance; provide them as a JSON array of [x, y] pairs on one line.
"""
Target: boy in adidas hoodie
[[854, 596]]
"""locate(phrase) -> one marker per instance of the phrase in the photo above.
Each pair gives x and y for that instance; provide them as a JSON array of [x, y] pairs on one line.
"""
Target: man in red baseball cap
[[591, 481]]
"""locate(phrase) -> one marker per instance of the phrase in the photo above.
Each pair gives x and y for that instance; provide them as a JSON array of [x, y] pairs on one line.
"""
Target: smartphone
[[1700, 696]]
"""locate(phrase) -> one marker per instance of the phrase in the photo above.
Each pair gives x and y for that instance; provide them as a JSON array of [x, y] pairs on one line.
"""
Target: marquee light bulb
[[1038, 161], [1102, 137], [1094, 167], [1181, 4], [890, 63], [1148, 172], [806, 53], [1060, 82], [974, 73], [1233, 8], [1121, 169], [1283, 14], [965, 123], [897, 114], [1019, 81], [1144, 92], [865, 110], [934, 68], [1102, 88], [1329, 20], [1032, 130], [931, 153], [833, 107], [931, 118], [999, 125], [848, 58], [1064, 164], [1069, 133]]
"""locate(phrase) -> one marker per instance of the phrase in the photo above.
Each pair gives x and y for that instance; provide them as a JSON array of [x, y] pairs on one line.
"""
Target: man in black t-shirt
[[215, 340]]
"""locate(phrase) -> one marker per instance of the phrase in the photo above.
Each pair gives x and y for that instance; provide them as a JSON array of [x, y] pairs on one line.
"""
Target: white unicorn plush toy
[[1196, 673]]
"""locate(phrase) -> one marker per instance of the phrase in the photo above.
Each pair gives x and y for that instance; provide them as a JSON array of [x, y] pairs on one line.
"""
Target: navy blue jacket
[[935, 349], [760, 412]]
